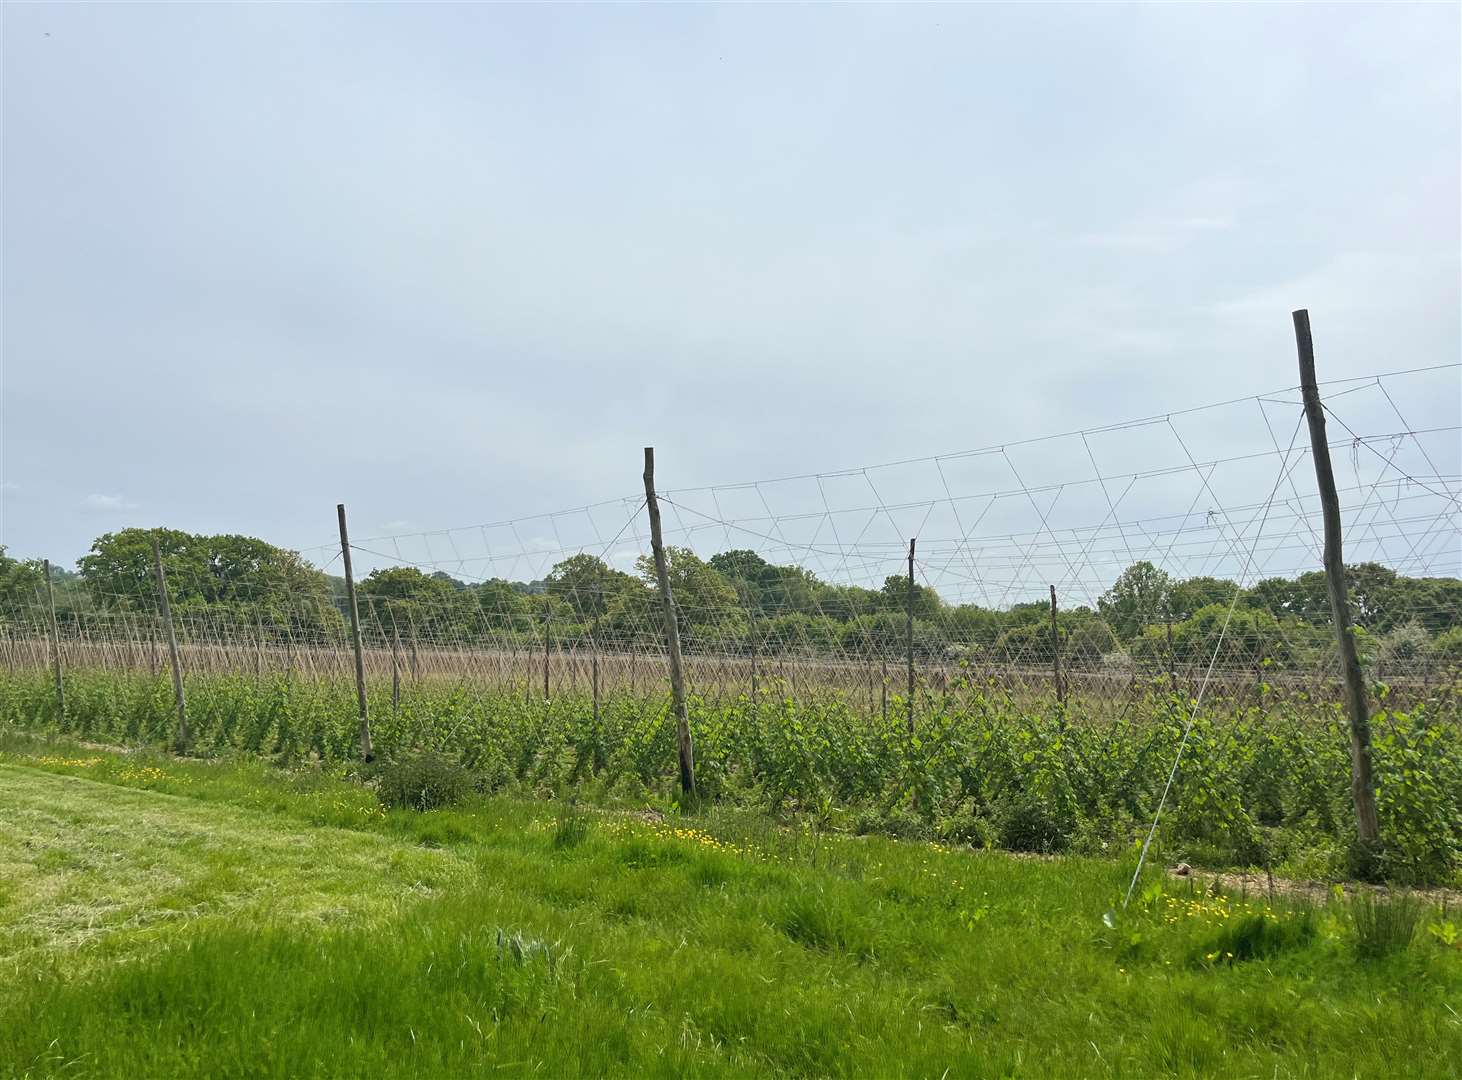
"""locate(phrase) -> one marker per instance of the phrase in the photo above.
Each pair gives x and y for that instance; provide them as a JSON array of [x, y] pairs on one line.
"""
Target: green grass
[[175, 918]]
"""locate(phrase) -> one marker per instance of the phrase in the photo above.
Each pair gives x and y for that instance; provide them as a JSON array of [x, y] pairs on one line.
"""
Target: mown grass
[[263, 923]]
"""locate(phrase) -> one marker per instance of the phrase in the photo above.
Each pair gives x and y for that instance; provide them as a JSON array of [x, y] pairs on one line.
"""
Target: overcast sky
[[453, 264]]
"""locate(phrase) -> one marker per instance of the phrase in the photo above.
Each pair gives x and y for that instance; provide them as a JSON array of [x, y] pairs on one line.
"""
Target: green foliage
[[1447, 646], [22, 585], [237, 578], [1136, 599], [422, 782], [1258, 781], [1245, 638], [588, 586]]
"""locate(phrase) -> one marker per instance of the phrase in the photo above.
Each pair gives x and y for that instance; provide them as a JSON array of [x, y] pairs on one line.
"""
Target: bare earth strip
[[91, 870]]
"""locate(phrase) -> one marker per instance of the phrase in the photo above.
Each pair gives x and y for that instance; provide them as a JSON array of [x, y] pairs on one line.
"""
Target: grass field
[[169, 918]]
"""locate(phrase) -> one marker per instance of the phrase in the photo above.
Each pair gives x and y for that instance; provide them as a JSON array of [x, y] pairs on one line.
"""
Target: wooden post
[[910, 642], [672, 633], [1362, 781], [594, 682], [547, 620], [360, 690], [1056, 651], [166, 610], [1172, 659], [56, 649], [395, 668], [883, 682], [594, 651]]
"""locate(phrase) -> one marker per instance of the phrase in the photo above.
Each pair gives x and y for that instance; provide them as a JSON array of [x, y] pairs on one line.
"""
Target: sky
[[459, 264]]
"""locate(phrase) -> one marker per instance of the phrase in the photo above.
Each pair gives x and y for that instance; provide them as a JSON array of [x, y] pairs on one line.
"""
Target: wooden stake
[[1172, 660], [1056, 651], [56, 648], [547, 619], [672, 633], [594, 683], [910, 641], [395, 668], [166, 610], [1362, 780], [883, 693], [360, 689]]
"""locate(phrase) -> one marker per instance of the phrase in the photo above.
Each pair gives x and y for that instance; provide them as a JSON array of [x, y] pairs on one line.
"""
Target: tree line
[[736, 601]]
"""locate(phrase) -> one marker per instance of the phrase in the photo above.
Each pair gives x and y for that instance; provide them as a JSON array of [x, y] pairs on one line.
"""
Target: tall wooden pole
[[594, 682], [395, 668], [910, 637], [1172, 660], [1362, 779], [360, 690], [883, 676], [56, 648], [547, 618], [672, 633], [166, 610], [1056, 651], [594, 651]]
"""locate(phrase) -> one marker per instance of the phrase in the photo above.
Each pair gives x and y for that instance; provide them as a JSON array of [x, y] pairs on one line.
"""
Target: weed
[[1384, 923]]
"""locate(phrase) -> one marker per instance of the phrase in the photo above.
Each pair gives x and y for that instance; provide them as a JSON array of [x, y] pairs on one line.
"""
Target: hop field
[[1264, 781]]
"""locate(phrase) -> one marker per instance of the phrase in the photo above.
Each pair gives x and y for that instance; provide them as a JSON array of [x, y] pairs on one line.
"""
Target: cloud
[[1157, 235], [9, 485], [107, 503]]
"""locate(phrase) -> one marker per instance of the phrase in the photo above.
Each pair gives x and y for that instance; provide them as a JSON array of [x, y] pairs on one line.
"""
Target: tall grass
[[1384, 923]]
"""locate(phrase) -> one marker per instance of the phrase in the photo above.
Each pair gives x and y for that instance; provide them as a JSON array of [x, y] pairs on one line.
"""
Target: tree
[[895, 597], [588, 585], [766, 588], [22, 586], [705, 599], [241, 578], [1246, 639], [1187, 597], [400, 597], [1137, 598]]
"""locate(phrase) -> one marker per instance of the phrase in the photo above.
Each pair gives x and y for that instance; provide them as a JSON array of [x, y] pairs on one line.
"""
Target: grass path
[[163, 918], [87, 868]]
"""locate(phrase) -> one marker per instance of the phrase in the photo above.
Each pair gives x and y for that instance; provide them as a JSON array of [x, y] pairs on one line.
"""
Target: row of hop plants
[[1261, 784]]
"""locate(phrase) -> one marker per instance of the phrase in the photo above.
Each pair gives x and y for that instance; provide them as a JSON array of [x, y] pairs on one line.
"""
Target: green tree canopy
[[1137, 598], [22, 586], [589, 585], [253, 579]]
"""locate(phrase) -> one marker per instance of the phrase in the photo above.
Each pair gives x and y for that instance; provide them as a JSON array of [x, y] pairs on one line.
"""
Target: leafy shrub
[[897, 823], [423, 782], [966, 828], [1447, 646], [1032, 824]]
